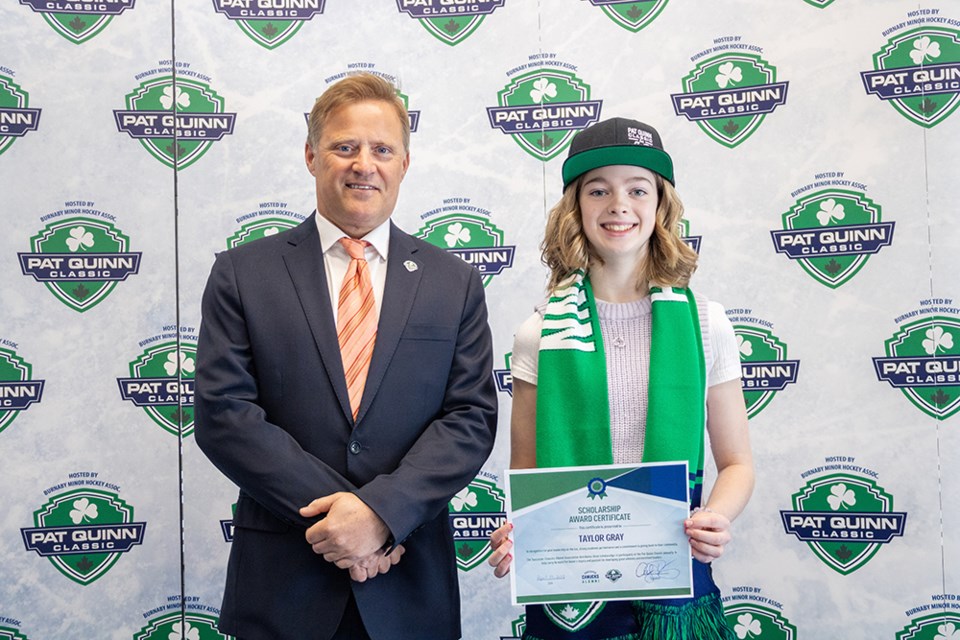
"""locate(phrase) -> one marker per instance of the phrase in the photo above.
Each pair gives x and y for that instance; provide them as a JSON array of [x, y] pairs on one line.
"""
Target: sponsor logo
[[10, 629], [730, 91], [449, 21], [18, 389], [78, 21], [466, 231], [83, 528], [613, 575], [476, 512], [918, 70], [176, 116], [843, 515], [941, 623], [590, 577], [504, 378], [832, 231], [169, 622], [269, 23], [543, 106], [16, 117], [270, 219], [632, 15], [161, 379], [763, 360], [80, 256], [923, 358], [755, 616]]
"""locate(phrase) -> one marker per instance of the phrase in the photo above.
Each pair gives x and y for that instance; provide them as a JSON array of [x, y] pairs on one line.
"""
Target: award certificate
[[610, 532]]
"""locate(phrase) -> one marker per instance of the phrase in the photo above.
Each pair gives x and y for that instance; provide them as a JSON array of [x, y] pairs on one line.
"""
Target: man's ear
[[309, 156]]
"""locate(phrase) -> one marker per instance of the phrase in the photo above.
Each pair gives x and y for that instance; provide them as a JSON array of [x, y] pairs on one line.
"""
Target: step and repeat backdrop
[[816, 147]]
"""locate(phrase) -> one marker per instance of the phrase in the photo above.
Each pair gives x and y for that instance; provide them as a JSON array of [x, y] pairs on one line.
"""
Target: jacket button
[[354, 447]]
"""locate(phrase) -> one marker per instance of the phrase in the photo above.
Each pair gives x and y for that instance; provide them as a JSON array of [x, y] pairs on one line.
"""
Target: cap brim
[[638, 156]]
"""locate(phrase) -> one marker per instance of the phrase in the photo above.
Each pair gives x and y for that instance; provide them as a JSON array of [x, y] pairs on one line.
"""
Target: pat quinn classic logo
[[918, 70], [17, 118], [175, 116], [18, 388], [476, 512], [80, 258], [10, 629], [730, 91], [843, 514], [78, 21], [449, 21], [756, 616], [161, 380], [922, 358], [543, 106], [466, 231], [269, 220], [165, 622], [269, 23], [632, 15], [832, 231], [938, 619], [766, 370], [83, 528], [370, 67]]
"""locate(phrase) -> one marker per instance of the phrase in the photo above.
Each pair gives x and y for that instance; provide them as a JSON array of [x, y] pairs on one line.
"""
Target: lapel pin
[[410, 265]]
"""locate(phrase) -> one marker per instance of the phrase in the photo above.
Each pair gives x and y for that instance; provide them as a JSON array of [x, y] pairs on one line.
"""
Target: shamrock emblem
[[746, 626], [167, 99], [924, 48], [729, 74], [271, 231], [79, 237], [841, 497], [937, 340], [82, 510], [187, 632], [457, 234], [465, 498], [829, 211], [186, 364], [745, 346], [947, 631], [543, 89]]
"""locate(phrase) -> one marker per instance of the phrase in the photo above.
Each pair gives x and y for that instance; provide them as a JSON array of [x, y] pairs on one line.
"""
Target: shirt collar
[[378, 237]]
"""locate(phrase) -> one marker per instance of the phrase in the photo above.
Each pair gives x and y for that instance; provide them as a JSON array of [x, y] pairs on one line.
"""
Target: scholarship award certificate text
[[610, 532]]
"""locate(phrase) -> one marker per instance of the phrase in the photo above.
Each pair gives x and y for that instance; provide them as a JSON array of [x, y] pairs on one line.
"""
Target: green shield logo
[[844, 519], [162, 385], [543, 109], [472, 238], [475, 512], [9, 633], [164, 107], [758, 622], [766, 369], [449, 25], [832, 233], [728, 96], [632, 15], [18, 389], [15, 116], [79, 21], [261, 228], [918, 72], [194, 626], [820, 4], [943, 625], [923, 361], [80, 260], [83, 532]]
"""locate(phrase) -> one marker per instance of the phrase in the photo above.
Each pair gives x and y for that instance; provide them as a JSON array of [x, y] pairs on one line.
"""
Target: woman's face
[[618, 205]]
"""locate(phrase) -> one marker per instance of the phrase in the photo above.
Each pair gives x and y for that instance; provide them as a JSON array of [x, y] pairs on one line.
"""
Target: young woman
[[623, 364]]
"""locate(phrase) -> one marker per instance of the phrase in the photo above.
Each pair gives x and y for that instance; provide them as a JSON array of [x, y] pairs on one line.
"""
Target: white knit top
[[626, 329]]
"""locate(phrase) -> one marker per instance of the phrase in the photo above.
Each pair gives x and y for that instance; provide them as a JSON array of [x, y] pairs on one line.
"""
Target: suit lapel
[[404, 271], [304, 262]]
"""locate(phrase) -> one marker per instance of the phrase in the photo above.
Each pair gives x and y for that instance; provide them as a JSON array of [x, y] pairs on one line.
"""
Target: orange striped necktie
[[356, 320]]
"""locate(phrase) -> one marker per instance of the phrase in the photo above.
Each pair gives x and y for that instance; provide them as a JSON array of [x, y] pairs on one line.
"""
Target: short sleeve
[[723, 342], [526, 349]]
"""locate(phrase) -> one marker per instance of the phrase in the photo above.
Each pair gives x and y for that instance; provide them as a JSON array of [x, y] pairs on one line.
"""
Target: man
[[336, 482]]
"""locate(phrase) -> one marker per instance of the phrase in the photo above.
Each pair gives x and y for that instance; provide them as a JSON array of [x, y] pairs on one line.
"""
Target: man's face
[[358, 164]]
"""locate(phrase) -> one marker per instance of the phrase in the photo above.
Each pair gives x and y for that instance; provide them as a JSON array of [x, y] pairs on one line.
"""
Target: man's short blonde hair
[[356, 88]]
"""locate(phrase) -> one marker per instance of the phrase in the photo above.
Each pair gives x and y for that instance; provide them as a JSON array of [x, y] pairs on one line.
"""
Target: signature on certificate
[[653, 571]]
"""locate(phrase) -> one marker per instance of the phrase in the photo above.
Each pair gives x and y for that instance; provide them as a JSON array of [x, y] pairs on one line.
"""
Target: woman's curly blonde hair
[[669, 261]]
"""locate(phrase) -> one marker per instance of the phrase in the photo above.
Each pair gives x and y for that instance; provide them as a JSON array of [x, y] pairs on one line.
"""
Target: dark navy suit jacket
[[272, 414]]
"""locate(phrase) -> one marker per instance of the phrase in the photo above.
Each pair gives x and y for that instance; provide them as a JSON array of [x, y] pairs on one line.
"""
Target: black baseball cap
[[617, 141]]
